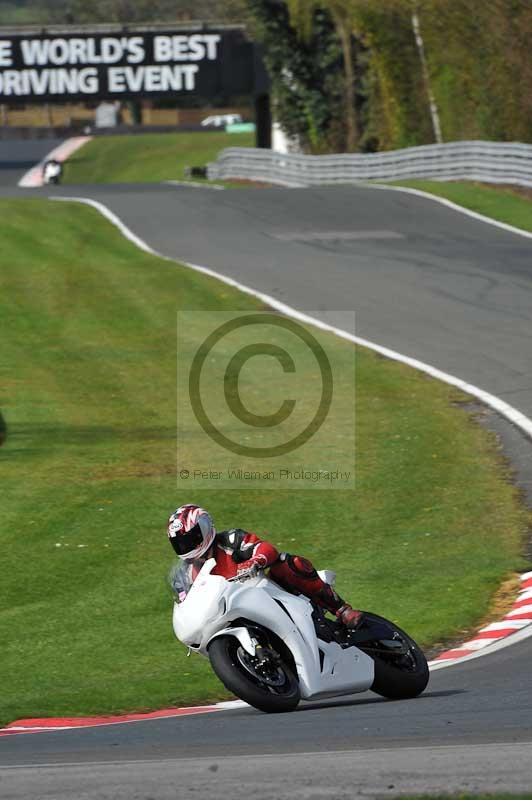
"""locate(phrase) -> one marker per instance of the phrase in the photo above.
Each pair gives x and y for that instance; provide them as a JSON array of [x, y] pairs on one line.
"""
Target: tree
[[398, 111], [342, 14], [306, 73]]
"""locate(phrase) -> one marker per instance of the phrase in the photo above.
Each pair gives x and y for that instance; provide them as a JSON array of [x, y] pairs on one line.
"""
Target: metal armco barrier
[[490, 162]]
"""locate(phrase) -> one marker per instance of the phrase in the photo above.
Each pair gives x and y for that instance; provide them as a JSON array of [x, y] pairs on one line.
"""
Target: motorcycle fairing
[[323, 668]]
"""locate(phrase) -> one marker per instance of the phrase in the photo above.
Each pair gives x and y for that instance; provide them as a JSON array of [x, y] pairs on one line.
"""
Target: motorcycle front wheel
[[401, 669], [267, 684]]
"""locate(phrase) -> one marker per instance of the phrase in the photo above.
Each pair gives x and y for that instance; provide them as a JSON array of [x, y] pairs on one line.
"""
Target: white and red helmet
[[190, 531]]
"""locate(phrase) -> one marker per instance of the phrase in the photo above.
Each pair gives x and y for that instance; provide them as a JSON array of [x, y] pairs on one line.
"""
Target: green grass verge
[[503, 204], [148, 157], [88, 395]]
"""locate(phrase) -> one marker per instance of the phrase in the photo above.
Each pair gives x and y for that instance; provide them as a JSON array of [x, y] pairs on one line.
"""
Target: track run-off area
[[425, 281]]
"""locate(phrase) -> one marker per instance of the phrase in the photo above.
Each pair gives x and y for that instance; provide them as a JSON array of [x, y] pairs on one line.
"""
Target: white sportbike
[[272, 648]]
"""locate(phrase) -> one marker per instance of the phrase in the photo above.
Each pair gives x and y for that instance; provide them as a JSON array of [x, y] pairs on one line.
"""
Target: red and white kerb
[[519, 617]]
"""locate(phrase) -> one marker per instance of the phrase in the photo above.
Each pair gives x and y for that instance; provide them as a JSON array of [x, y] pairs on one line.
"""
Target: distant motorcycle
[[52, 172], [272, 648]]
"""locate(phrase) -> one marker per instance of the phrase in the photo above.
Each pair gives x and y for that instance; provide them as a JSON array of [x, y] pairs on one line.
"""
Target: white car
[[221, 120]]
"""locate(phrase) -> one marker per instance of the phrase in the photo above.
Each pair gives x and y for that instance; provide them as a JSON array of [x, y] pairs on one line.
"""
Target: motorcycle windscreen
[[183, 575]]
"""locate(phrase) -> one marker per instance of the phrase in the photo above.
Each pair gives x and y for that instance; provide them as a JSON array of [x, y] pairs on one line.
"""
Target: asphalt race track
[[447, 289], [18, 156], [469, 731], [430, 283]]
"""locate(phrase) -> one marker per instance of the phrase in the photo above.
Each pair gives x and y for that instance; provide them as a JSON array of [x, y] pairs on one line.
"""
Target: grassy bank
[[148, 157], [502, 203], [88, 475]]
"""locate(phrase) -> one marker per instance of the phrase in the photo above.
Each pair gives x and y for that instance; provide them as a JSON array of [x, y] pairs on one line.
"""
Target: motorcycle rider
[[192, 535]]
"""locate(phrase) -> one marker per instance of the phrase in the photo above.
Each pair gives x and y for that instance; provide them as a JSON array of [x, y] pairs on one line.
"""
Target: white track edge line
[[196, 185], [419, 193], [449, 203], [502, 407], [409, 190]]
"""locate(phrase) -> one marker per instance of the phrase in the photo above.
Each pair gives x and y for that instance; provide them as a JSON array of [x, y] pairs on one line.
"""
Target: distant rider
[[193, 536]]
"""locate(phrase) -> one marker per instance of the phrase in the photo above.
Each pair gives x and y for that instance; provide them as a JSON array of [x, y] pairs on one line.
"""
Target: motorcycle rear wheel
[[397, 677], [228, 660]]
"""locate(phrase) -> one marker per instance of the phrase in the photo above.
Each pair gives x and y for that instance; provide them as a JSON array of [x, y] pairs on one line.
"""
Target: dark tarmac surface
[[485, 700], [470, 731]]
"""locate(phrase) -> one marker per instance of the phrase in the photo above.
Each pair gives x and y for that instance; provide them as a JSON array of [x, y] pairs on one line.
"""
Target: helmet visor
[[185, 543]]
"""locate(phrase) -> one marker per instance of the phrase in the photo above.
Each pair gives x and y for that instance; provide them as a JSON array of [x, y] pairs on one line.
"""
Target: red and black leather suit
[[235, 549]]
